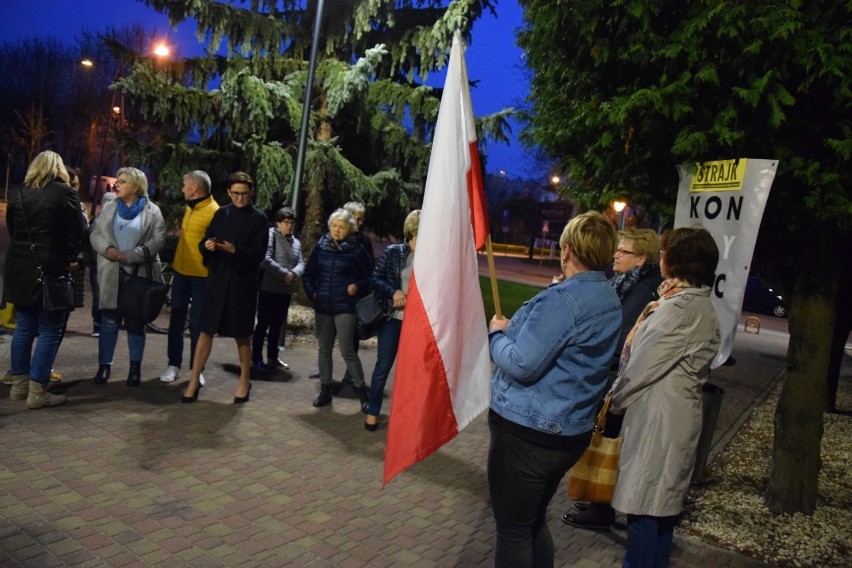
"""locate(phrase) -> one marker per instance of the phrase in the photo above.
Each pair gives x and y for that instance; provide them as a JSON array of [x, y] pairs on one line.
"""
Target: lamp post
[[113, 114], [619, 207], [306, 110], [161, 50]]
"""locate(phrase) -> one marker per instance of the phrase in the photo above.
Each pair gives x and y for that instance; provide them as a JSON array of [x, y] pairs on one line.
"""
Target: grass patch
[[512, 295]]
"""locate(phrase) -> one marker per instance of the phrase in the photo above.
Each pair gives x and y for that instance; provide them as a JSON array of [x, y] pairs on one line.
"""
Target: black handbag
[[370, 316], [57, 292], [369, 309], [140, 298]]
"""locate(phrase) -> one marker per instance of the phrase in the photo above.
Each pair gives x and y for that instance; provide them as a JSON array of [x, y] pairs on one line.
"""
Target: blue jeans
[[522, 479], [187, 295], [388, 344], [32, 321], [96, 294], [649, 541], [110, 323], [341, 326]]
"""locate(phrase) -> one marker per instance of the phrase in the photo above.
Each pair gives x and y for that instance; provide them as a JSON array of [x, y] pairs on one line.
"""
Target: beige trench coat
[[659, 392]]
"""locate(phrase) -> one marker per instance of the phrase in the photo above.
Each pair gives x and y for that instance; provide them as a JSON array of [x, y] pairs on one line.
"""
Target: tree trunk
[[315, 222], [799, 416], [842, 326]]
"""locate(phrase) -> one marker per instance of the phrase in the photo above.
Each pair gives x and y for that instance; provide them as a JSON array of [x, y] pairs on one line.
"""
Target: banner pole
[[492, 272]]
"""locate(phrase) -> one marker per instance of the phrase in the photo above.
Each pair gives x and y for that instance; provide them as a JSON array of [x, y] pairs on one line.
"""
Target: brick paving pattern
[[129, 477]]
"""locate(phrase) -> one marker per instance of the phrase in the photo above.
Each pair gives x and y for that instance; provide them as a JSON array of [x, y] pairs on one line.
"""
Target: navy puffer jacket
[[331, 269]]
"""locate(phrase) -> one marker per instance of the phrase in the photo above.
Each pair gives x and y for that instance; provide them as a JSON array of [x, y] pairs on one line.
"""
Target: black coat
[[230, 291], [52, 214]]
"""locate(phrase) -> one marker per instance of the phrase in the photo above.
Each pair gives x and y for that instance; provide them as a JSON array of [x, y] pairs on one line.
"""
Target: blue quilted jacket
[[387, 277], [333, 266]]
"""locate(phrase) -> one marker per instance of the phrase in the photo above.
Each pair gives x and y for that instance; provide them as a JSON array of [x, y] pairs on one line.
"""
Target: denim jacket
[[551, 363]]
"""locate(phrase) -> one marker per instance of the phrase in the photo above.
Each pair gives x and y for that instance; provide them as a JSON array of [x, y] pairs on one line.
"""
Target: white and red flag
[[443, 366]]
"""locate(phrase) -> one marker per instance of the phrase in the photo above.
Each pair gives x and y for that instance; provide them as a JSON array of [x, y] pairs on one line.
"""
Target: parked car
[[760, 297]]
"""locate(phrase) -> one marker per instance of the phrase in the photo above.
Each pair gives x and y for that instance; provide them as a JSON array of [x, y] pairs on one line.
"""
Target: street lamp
[[162, 50], [619, 207], [306, 109], [117, 114]]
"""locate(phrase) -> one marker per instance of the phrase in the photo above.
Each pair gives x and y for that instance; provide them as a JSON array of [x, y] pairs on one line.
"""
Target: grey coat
[[660, 393], [153, 236], [281, 259]]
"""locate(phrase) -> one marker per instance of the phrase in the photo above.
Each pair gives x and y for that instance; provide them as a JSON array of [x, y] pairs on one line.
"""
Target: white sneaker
[[201, 380], [170, 374]]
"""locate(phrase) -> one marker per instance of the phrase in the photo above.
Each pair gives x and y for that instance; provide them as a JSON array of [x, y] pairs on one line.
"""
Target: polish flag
[[443, 366]]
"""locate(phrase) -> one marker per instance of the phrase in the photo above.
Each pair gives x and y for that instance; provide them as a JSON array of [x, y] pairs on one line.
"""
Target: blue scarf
[[128, 212]]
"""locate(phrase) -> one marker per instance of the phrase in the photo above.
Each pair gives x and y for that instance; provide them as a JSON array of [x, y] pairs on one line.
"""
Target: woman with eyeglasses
[[281, 270], [664, 364], [128, 228], [233, 247]]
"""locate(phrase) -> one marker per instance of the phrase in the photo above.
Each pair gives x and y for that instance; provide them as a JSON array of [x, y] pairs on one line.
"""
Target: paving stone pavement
[[130, 477]]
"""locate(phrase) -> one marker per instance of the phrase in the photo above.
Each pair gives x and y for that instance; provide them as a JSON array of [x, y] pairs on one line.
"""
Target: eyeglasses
[[288, 221], [622, 251], [239, 193]]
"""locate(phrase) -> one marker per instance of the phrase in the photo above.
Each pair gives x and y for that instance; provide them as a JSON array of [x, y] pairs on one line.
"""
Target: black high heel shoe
[[242, 399], [193, 398], [371, 427]]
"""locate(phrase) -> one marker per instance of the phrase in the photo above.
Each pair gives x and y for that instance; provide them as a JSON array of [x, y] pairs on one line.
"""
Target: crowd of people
[[645, 338]]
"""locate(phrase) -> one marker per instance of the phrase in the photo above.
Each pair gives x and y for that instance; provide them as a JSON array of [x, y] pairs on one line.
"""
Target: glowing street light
[[162, 50], [620, 208], [555, 180]]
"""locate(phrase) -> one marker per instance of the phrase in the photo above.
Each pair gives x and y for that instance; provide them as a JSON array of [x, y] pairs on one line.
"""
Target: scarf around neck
[[128, 212], [624, 283], [668, 288]]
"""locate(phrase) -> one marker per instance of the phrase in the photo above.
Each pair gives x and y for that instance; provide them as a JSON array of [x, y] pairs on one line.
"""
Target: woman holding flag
[[551, 362]]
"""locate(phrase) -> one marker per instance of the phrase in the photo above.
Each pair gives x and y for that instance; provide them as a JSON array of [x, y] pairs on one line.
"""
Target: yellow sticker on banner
[[723, 175]]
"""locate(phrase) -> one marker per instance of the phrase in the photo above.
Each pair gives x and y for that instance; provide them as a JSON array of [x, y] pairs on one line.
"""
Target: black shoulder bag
[[57, 292], [140, 298]]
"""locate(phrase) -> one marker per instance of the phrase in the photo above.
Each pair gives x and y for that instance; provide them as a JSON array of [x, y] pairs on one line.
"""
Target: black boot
[[364, 397], [102, 376], [324, 396], [134, 377]]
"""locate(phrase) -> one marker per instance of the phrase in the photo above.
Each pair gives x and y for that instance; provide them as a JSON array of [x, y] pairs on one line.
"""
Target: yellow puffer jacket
[[195, 220]]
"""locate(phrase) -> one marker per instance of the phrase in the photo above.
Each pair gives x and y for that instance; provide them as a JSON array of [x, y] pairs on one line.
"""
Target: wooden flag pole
[[492, 272]]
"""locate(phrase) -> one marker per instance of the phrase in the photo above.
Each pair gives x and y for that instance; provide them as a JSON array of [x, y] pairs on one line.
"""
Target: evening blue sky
[[492, 59]]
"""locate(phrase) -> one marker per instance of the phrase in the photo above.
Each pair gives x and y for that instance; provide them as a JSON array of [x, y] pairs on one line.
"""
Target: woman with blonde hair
[[129, 230], [550, 374], [390, 283], [45, 229]]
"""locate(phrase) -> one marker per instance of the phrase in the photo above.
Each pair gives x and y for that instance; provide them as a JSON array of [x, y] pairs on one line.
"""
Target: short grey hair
[[343, 215], [356, 208], [201, 179]]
